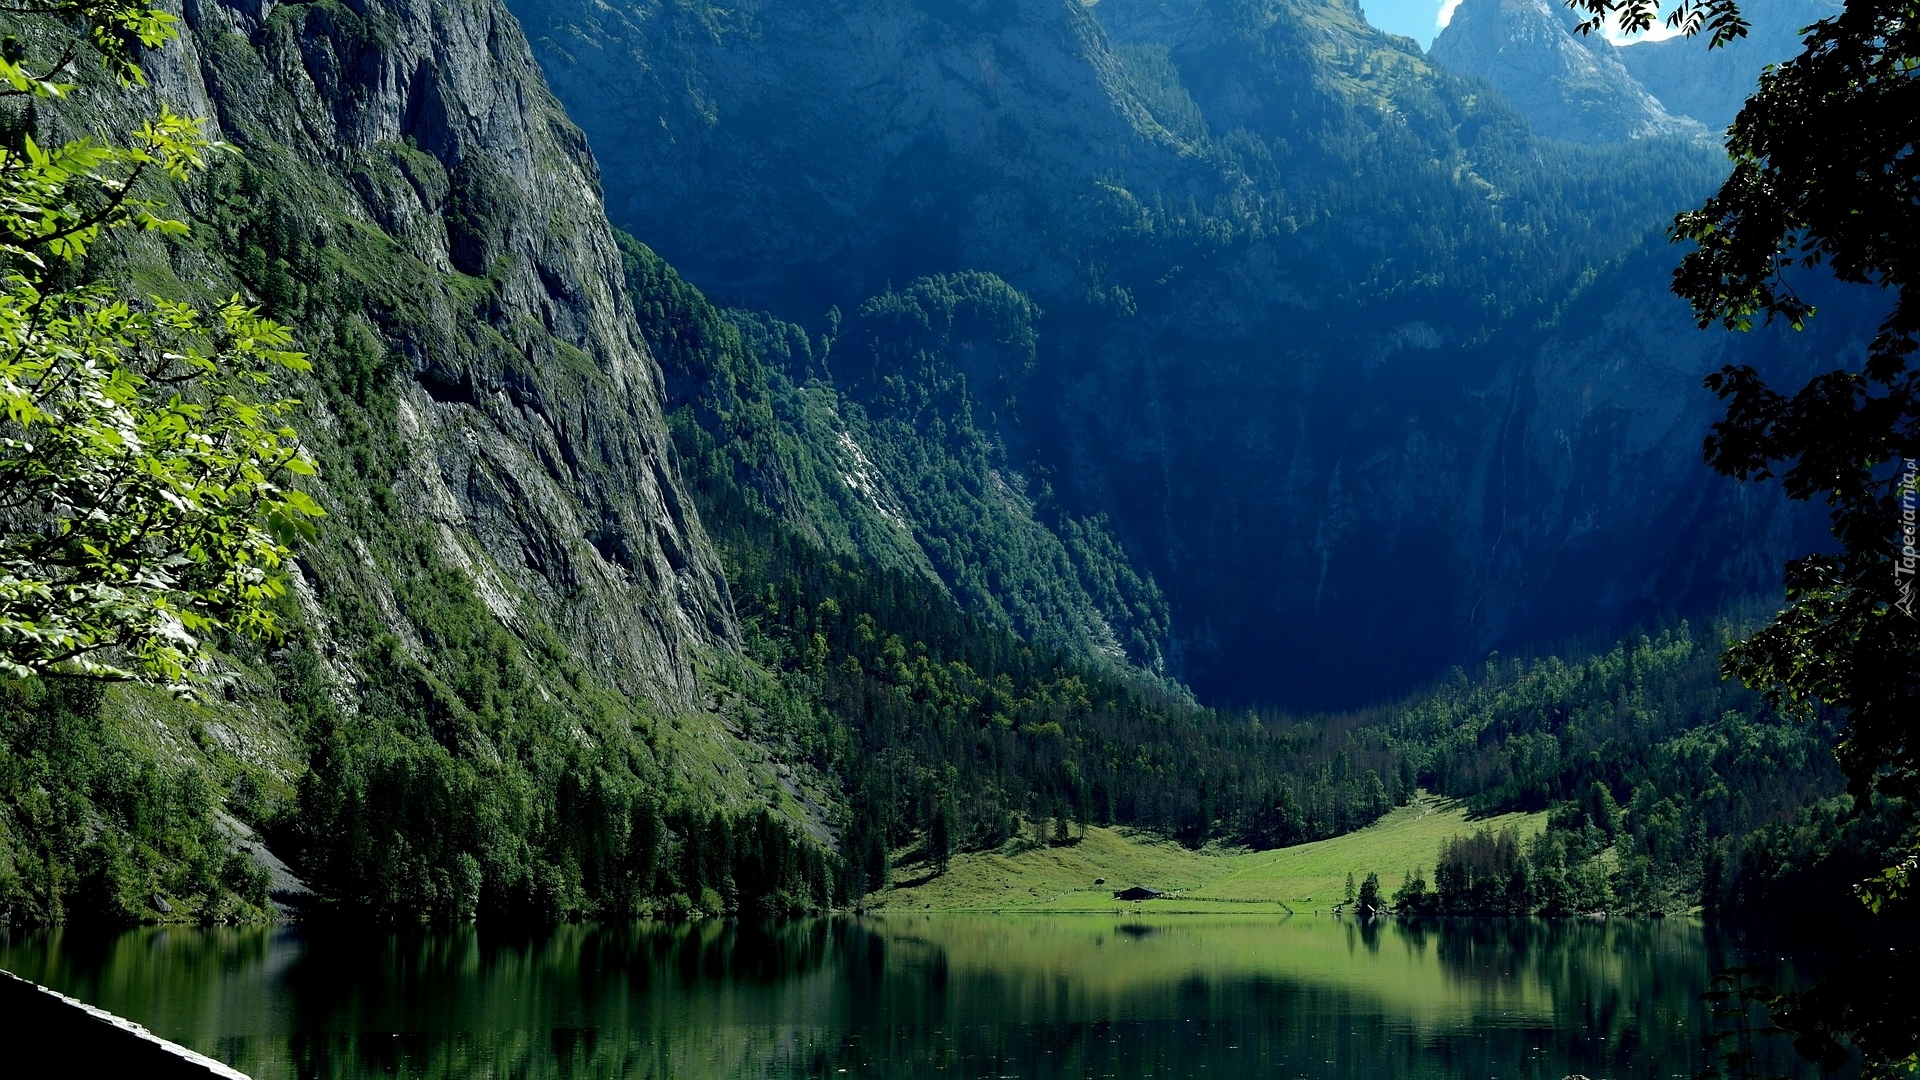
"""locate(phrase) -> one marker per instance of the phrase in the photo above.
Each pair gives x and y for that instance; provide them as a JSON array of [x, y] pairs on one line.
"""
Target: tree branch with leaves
[[1824, 175], [147, 461]]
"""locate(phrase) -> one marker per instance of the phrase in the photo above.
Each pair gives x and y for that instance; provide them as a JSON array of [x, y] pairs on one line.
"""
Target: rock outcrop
[[1711, 85], [1587, 88], [1569, 86], [409, 154]]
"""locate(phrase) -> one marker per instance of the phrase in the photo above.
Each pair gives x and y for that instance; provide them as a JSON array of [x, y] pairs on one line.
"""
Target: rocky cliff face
[[1569, 87], [1331, 532], [515, 678], [1581, 87], [407, 156], [1710, 86]]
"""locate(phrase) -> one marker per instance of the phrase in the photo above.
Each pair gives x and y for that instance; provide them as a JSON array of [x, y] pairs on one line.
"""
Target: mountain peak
[[1567, 86]]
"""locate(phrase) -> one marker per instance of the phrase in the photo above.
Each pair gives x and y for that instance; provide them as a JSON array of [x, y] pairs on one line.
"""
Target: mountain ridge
[[1568, 85], [1285, 253], [1587, 88]]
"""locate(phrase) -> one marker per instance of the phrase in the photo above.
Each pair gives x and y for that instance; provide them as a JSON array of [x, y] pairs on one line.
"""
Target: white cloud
[[1446, 14], [1659, 31]]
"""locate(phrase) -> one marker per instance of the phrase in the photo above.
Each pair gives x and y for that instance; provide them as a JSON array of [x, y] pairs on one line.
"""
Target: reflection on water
[[921, 996]]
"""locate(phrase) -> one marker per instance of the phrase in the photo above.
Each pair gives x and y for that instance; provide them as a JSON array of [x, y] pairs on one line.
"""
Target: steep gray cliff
[[1569, 86], [1710, 86], [513, 679], [413, 154], [1575, 86]]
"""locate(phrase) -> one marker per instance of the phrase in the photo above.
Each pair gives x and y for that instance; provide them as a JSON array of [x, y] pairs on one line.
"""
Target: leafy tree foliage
[[1824, 174], [117, 30], [1813, 185], [155, 522], [144, 504], [1689, 17]]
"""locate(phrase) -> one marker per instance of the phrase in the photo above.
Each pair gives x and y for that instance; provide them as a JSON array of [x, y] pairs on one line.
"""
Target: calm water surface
[[971, 997]]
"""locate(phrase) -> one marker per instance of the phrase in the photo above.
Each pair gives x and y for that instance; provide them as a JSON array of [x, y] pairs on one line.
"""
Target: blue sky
[[1420, 19], [1417, 19]]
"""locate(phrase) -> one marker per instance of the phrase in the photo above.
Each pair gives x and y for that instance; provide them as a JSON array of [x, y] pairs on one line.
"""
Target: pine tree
[[1369, 893]]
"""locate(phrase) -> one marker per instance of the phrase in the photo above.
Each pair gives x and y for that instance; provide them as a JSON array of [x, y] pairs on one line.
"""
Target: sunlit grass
[[1022, 876]]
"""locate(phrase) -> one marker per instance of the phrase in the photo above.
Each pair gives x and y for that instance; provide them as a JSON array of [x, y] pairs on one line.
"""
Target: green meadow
[[1083, 876]]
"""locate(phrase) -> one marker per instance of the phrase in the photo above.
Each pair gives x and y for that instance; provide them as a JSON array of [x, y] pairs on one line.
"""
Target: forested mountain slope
[[1670, 787], [1348, 359], [902, 463], [494, 692], [630, 603]]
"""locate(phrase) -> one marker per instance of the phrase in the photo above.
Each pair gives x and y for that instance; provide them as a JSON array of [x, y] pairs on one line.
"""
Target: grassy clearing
[[1022, 876]]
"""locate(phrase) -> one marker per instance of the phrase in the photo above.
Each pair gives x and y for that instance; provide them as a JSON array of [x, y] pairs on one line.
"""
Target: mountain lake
[[1121, 995]]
